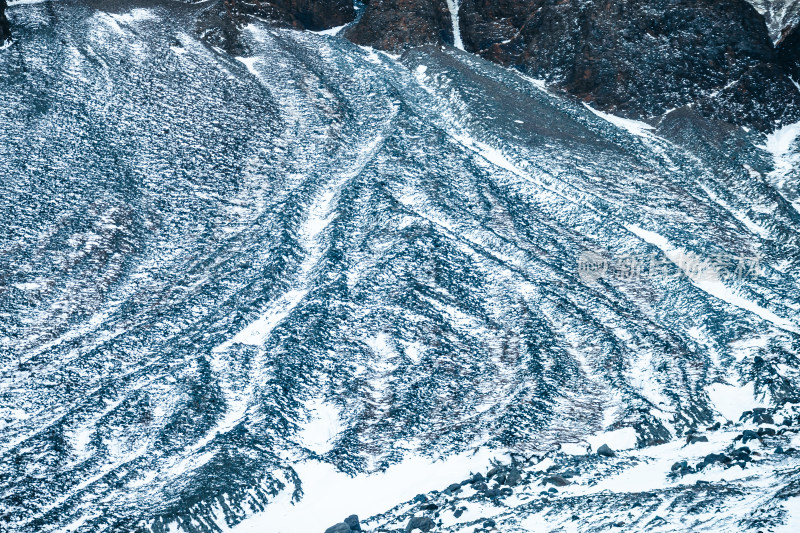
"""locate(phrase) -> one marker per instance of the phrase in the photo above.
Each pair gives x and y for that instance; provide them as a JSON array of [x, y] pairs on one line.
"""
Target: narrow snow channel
[[706, 283], [453, 6]]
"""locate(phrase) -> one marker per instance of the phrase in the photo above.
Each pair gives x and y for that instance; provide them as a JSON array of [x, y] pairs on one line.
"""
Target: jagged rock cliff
[[641, 58], [789, 52], [5, 27], [635, 58], [399, 24], [314, 15]]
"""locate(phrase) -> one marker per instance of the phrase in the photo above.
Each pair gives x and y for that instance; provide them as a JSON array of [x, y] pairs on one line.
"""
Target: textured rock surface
[[224, 267], [397, 24], [789, 52], [641, 58], [314, 15]]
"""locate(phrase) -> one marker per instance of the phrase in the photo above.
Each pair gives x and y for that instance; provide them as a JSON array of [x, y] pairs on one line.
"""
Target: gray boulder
[[353, 522], [422, 523], [338, 528], [605, 451]]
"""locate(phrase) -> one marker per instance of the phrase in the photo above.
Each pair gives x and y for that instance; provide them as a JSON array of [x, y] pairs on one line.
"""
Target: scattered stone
[[713, 458], [429, 507], [763, 418], [514, 477], [693, 439], [605, 451], [748, 435], [492, 493], [422, 523], [453, 488], [489, 523], [420, 498], [480, 487], [556, 480], [769, 432]]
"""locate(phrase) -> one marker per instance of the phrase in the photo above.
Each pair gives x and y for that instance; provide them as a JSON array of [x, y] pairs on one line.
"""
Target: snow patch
[[732, 400], [709, 283], [619, 439], [330, 495], [323, 426], [249, 62], [635, 127]]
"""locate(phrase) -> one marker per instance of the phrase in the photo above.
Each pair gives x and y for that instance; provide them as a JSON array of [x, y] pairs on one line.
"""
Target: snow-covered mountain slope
[[780, 15], [224, 274]]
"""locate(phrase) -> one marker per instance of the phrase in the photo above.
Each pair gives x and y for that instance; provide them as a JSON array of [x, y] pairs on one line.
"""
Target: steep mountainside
[[258, 279]]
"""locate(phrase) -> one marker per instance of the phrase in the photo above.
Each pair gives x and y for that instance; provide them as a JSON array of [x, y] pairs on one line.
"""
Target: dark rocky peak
[[398, 24], [639, 58], [5, 27]]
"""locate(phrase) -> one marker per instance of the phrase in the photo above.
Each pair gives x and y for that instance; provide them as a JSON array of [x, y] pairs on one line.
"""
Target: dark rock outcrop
[[353, 522], [314, 15], [421, 523], [606, 451], [789, 52], [5, 26], [398, 24], [338, 528], [641, 58]]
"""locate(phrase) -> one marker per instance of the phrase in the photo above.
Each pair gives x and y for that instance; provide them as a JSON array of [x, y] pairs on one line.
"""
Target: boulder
[[453, 488], [556, 480], [421, 523], [338, 528], [769, 432], [763, 418], [605, 451], [748, 435], [353, 522], [476, 478], [679, 465], [713, 458], [514, 477], [693, 439]]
